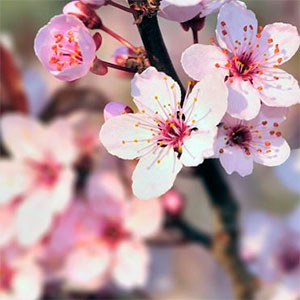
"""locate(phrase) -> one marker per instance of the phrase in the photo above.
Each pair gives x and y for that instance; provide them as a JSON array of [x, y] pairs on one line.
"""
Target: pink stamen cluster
[[249, 137], [248, 57], [66, 51]]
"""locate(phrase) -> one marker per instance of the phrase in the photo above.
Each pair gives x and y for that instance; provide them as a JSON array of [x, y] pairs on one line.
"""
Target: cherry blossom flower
[[102, 238], [65, 47], [38, 178], [184, 10], [164, 135], [270, 246], [248, 61], [240, 143], [173, 202], [20, 276], [113, 109]]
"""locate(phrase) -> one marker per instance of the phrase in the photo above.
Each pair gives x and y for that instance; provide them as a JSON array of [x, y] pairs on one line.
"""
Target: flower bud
[[121, 55], [84, 13], [113, 109]]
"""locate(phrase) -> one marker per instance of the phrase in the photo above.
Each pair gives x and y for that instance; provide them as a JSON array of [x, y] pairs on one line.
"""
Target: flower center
[[240, 136], [6, 276], [289, 260], [66, 51], [173, 133], [113, 233], [47, 173]]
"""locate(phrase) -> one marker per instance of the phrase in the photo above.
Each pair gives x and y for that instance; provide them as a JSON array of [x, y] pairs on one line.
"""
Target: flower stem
[[119, 38], [195, 36], [118, 67], [122, 7], [225, 209]]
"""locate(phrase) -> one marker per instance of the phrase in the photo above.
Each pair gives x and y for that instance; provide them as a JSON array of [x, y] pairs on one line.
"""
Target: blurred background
[[185, 271]]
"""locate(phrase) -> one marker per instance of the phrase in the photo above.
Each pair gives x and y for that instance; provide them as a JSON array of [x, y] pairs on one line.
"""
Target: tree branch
[[225, 208]]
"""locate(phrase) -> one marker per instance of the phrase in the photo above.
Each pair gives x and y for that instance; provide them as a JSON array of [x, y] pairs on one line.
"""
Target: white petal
[[206, 104], [243, 100], [174, 12], [280, 152], [121, 136], [33, 218], [60, 135], [154, 91], [144, 218], [132, 265], [23, 137], [63, 190], [14, 181], [285, 36], [282, 92], [152, 179], [85, 265], [235, 160], [236, 16], [199, 146], [7, 224], [199, 61], [28, 282]]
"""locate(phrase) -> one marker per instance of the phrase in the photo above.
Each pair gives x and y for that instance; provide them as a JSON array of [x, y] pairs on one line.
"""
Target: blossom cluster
[[67, 215]]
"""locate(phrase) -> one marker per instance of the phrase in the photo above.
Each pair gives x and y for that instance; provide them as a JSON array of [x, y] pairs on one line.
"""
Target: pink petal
[[154, 175], [243, 100], [86, 266], [132, 264], [232, 19], [63, 190], [33, 218], [235, 160], [201, 60], [7, 224], [15, 182], [144, 218], [23, 136], [61, 135]]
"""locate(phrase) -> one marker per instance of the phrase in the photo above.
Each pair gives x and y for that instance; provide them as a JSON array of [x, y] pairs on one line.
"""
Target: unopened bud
[[121, 55], [84, 13], [113, 109]]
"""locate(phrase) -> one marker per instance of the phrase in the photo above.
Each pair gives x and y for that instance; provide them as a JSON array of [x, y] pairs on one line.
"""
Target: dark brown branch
[[225, 209]]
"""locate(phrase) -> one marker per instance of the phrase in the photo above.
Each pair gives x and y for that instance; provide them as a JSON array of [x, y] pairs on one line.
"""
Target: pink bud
[[113, 109], [95, 3], [121, 55], [65, 47], [84, 13], [173, 202]]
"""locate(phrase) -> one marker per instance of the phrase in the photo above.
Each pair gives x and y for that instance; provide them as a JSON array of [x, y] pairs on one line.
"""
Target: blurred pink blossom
[[248, 61], [38, 178], [271, 247], [240, 143], [103, 237], [164, 135], [65, 47], [173, 202], [20, 276], [184, 10]]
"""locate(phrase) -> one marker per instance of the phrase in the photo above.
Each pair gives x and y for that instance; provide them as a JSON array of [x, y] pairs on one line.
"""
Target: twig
[[225, 209]]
